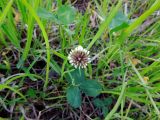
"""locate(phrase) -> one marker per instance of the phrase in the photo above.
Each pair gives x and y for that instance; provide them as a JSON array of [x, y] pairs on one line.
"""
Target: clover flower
[[79, 57]]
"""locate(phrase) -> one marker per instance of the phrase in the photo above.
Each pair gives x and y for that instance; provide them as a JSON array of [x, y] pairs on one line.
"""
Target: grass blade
[[138, 21], [6, 10], [105, 24], [33, 13]]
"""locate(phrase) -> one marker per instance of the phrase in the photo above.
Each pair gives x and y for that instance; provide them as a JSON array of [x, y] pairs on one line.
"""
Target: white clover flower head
[[79, 57]]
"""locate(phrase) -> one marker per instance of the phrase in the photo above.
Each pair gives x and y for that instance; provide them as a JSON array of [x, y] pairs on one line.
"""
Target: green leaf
[[120, 21], [107, 101], [66, 14], [31, 93], [76, 77], [91, 87], [105, 111], [101, 103], [45, 14], [122, 26], [74, 96], [98, 103]]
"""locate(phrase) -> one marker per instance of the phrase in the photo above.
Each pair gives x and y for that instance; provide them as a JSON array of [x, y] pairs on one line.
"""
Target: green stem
[[105, 24], [21, 75], [3, 86], [33, 13], [138, 21], [147, 91], [108, 117]]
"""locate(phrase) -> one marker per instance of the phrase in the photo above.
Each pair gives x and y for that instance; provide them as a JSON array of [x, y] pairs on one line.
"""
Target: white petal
[[69, 57], [88, 52], [80, 48]]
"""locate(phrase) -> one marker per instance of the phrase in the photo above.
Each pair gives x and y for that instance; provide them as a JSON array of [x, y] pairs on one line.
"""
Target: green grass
[[34, 64]]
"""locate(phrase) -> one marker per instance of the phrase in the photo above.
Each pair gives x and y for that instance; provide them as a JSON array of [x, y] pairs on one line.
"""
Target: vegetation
[[40, 78]]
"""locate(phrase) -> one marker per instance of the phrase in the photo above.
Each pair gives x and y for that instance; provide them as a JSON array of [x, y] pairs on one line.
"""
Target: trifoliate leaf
[[107, 101], [98, 103], [45, 14], [74, 96], [119, 22], [66, 14], [76, 77], [91, 87], [105, 111]]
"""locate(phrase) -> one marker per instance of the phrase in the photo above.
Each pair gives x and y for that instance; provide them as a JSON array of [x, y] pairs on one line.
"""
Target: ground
[[121, 80]]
